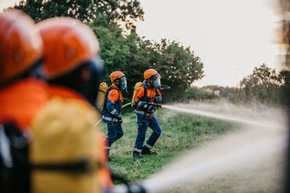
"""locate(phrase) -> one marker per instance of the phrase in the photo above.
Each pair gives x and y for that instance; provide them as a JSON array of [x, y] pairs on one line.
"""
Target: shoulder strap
[[156, 91], [145, 90]]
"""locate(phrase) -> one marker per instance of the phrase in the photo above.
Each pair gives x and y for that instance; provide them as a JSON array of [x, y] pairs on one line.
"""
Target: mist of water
[[262, 136], [231, 116]]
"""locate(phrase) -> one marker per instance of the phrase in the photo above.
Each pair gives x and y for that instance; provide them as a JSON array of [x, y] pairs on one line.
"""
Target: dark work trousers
[[115, 132], [145, 121]]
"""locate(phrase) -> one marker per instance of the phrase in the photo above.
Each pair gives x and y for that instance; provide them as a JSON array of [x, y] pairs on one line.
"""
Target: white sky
[[7, 3], [230, 36]]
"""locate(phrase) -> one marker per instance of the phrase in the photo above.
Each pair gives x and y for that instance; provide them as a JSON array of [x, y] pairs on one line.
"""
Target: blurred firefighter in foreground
[[112, 115], [284, 10], [146, 99], [67, 151], [21, 97]]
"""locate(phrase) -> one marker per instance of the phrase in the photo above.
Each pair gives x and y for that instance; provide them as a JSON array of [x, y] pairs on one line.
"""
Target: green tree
[[125, 12], [178, 66], [133, 55], [114, 49], [43, 9], [285, 74], [262, 76], [112, 11], [263, 85], [128, 52]]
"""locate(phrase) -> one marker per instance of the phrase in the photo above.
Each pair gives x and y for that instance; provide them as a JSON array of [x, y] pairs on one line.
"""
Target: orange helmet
[[20, 44], [150, 72], [115, 75], [67, 44]]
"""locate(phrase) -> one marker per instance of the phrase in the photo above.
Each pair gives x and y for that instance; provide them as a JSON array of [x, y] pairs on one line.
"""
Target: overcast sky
[[230, 36]]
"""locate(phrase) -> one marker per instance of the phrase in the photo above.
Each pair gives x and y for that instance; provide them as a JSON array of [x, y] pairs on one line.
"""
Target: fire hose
[[159, 105]]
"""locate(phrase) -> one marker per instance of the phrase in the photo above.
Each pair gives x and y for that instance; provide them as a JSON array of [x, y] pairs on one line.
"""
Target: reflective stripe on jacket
[[114, 104]]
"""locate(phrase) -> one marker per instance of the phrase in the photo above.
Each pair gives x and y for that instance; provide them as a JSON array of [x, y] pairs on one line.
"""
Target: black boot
[[147, 151], [137, 154]]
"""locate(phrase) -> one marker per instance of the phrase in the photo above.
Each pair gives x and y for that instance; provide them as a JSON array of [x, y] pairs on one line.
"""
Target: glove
[[145, 106], [142, 105], [157, 99], [150, 108], [120, 120]]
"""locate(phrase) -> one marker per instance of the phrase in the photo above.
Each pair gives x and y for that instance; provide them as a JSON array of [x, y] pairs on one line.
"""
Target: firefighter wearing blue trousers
[[145, 100], [112, 115]]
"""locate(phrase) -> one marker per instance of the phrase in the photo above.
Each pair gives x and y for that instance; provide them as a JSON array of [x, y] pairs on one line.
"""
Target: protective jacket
[[145, 94], [19, 104], [21, 101], [66, 146], [114, 104]]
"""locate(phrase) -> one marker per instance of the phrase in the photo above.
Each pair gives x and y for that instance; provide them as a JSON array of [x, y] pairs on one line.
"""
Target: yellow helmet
[[116, 74], [67, 44], [20, 44]]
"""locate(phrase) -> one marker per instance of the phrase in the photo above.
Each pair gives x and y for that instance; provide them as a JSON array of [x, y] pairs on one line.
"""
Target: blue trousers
[[144, 122], [115, 132]]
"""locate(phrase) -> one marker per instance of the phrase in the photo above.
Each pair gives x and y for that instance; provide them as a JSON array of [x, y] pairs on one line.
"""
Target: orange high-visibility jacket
[[21, 101], [150, 92]]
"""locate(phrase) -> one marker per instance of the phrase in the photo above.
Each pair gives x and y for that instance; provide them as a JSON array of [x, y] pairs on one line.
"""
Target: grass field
[[181, 133]]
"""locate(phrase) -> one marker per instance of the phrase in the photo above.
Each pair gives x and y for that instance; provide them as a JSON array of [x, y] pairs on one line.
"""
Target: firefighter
[[145, 100], [22, 95], [112, 115], [67, 150]]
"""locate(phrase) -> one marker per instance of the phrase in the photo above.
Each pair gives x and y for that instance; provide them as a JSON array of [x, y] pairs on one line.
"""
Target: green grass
[[180, 132]]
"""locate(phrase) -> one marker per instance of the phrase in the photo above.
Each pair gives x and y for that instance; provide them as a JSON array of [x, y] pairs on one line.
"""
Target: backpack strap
[[145, 97], [156, 91], [145, 91]]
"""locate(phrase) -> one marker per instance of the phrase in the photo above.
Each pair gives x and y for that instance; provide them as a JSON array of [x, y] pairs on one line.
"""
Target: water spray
[[209, 167], [223, 117], [224, 158]]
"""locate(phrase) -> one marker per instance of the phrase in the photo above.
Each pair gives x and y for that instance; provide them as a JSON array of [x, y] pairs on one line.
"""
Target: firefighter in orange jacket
[[22, 95], [147, 95], [66, 147], [112, 115]]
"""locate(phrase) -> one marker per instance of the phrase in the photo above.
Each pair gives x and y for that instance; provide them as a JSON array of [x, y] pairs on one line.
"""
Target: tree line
[[264, 85], [114, 23]]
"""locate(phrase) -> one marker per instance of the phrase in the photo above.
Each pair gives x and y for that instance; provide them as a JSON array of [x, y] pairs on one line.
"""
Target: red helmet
[[20, 44], [115, 75], [150, 72], [67, 44]]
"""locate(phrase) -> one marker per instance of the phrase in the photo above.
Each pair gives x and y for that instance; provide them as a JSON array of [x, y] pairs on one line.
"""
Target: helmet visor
[[156, 82], [123, 83]]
